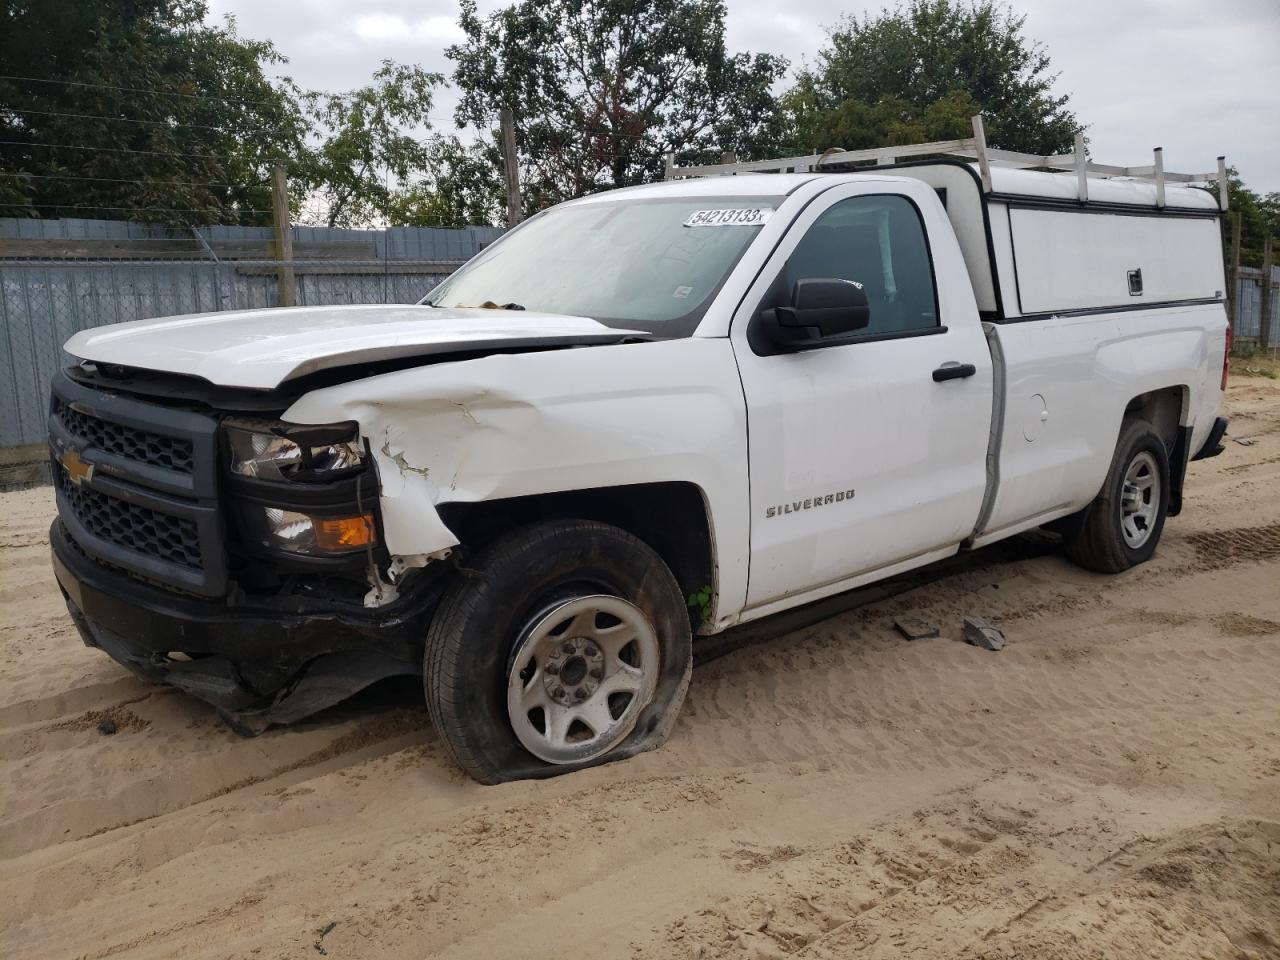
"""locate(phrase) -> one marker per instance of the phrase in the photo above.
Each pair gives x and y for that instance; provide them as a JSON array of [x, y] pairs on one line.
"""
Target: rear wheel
[[567, 644], [1122, 526]]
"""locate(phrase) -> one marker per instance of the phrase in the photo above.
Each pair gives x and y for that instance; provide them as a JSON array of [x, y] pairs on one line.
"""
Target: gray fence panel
[[1249, 315], [44, 302]]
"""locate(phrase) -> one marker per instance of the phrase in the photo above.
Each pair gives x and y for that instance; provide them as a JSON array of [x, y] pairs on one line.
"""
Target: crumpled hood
[[261, 349]]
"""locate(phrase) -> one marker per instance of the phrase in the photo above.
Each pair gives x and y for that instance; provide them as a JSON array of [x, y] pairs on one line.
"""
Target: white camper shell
[[1052, 235]]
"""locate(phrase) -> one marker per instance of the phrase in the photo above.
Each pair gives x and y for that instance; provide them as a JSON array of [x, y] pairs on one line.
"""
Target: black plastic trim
[[210, 580], [957, 371], [201, 431], [1102, 207], [187, 496], [1124, 308], [1213, 443], [266, 645], [1178, 470]]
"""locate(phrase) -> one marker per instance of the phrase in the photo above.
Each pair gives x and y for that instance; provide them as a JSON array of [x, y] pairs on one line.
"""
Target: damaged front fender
[[512, 425]]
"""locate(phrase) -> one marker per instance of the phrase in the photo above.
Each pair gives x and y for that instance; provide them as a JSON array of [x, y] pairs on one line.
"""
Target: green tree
[[1259, 218], [464, 187], [156, 115], [602, 89], [914, 72], [368, 150]]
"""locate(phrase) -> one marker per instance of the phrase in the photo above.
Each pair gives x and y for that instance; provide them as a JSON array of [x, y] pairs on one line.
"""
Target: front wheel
[[1122, 526], [565, 644]]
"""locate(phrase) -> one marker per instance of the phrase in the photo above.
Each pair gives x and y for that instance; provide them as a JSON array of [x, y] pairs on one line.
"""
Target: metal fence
[[1248, 324], [60, 277]]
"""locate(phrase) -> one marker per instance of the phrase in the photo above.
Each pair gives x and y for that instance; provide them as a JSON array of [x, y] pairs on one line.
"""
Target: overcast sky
[[1198, 77]]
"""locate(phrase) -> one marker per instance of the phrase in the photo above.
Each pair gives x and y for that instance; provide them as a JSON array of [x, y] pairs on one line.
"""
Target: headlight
[[286, 452], [282, 529]]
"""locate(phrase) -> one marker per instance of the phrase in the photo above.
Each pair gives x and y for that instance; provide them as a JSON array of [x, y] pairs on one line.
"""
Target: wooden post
[[284, 236], [515, 212], [980, 150], [1158, 169], [1233, 295], [1082, 168], [1264, 327], [1222, 184]]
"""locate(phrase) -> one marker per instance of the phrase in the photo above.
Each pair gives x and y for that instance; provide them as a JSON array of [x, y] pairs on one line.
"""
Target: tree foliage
[[602, 89], [368, 147], [159, 116], [464, 187], [1259, 218], [920, 71]]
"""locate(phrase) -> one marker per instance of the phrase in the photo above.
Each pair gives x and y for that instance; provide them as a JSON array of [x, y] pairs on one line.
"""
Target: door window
[[879, 242]]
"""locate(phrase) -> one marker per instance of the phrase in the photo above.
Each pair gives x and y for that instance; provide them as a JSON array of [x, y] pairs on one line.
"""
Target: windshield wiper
[[487, 305]]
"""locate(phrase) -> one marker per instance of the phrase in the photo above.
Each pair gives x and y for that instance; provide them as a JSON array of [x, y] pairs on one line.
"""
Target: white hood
[[261, 349]]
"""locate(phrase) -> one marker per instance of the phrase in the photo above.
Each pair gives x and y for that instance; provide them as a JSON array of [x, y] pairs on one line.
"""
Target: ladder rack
[[972, 148]]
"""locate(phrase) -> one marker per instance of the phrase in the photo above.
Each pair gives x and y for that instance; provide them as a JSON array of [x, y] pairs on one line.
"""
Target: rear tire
[[1122, 526], [565, 644]]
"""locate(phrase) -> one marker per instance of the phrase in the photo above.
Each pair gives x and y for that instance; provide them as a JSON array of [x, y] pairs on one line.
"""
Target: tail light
[[1226, 357]]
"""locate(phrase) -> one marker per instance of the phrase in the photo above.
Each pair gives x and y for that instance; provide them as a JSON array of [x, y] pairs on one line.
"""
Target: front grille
[[172, 453], [145, 531], [137, 485]]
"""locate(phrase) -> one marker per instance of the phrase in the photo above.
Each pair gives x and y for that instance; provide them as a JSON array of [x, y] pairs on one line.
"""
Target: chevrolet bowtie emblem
[[77, 469]]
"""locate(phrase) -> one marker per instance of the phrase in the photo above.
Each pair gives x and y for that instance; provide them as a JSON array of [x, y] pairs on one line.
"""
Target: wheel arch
[[672, 517], [1168, 410], [1165, 408]]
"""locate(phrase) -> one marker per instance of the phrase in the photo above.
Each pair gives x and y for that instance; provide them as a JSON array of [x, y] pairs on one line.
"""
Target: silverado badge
[[78, 470], [809, 504]]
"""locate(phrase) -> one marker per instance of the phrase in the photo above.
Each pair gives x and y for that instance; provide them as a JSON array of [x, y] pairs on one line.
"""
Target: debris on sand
[[913, 628], [107, 727], [981, 632], [324, 932]]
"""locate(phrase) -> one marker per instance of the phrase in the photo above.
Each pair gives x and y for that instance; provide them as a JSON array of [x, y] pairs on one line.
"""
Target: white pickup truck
[[641, 416]]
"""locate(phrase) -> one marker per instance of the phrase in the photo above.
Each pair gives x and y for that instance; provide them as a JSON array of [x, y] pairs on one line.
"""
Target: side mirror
[[820, 308]]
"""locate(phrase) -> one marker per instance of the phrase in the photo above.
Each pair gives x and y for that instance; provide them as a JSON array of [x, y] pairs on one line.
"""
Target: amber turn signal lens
[[345, 533]]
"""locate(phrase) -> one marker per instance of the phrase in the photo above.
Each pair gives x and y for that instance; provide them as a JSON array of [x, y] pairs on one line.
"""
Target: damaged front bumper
[[257, 664]]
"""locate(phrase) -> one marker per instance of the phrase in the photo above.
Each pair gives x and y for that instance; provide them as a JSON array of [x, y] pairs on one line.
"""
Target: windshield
[[651, 265]]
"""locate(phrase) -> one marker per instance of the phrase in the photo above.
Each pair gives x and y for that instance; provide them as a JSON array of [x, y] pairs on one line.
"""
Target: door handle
[[954, 371]]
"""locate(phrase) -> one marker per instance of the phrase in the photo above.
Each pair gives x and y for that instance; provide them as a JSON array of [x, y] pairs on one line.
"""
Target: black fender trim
[[1178, 469], [1213, 443]]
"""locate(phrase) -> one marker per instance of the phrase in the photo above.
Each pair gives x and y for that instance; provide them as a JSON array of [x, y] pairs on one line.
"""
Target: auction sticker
[[733, 217]]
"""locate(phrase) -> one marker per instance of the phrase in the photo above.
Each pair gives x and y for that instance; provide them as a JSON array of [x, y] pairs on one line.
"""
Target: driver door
[[861, 461]]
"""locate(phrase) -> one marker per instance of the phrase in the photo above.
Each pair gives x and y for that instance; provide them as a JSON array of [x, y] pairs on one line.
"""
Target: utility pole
[[514, 210], [1264, 327], [284, 236]]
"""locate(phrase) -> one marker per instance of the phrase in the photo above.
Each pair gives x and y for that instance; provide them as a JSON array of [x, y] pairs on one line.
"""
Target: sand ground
[[1106, 786]]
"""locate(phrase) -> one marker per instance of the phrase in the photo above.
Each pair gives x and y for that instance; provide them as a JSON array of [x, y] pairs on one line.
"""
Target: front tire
[[1122, 526], [565, 644]]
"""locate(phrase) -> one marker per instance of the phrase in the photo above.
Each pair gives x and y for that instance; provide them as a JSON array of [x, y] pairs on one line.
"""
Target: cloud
[[440, 30]]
